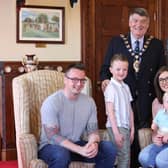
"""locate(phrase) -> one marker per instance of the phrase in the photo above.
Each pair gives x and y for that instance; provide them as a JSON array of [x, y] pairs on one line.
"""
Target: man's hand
[[90, 150], [104, 84]]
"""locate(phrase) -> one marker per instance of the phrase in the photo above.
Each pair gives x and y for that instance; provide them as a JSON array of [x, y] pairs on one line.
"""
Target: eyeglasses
[[163, 80], [76, 80]]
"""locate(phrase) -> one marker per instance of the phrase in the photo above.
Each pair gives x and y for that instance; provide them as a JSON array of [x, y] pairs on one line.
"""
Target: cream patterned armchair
[[29, 91], [145, 137]]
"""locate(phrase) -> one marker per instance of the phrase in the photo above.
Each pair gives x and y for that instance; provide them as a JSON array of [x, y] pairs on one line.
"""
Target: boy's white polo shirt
[[119, 94]]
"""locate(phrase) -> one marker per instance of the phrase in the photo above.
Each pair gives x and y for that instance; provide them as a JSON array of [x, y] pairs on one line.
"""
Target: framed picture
[[39, 24]]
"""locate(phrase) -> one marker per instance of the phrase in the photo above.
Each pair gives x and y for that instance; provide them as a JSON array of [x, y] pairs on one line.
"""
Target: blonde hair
[[118, 57]]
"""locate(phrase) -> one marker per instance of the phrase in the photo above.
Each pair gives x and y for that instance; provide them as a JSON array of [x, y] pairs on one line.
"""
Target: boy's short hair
[[118, 57]]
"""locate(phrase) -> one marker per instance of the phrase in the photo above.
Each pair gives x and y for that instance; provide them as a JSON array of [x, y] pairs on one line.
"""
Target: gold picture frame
[[39, 24]]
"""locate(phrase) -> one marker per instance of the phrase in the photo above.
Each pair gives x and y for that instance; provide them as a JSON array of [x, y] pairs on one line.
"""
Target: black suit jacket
[[142, 89]]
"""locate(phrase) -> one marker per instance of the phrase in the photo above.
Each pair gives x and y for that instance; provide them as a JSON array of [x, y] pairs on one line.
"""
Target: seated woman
[[155, 155], [160, 122]]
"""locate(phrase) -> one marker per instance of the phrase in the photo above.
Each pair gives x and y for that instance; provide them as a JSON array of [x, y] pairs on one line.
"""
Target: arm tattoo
[[51, 130], [53, 134]]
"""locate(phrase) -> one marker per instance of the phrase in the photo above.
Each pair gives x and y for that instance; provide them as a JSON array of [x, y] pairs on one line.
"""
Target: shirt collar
[[120, 84], [133, 39]]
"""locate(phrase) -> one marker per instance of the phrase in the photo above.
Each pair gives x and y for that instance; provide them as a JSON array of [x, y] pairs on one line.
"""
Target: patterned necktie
[[136, 49]]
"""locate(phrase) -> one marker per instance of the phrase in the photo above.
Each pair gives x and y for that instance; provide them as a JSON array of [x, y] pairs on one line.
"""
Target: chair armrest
[[27, 149], [145, 137], [38, 163], [102, 133]]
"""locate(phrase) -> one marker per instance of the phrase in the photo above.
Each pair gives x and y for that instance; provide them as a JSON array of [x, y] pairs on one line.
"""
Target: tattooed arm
[[52, 133]]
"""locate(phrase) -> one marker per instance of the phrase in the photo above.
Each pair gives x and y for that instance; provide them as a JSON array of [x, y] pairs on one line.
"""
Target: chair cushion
[[145, 137], [81, 165]]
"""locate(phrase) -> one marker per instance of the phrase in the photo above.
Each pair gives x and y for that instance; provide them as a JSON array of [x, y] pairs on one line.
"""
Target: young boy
[[160, 122], [120, 120]]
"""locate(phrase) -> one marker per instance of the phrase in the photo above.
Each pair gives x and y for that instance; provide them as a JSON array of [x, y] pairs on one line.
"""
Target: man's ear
[[110, 69]]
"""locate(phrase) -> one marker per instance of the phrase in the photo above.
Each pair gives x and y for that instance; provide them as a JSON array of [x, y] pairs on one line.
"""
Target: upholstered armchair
[[29, 91], [145, 137]]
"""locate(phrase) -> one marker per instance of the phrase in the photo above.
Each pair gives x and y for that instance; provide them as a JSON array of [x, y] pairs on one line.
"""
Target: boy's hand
[[165, 138], [157, 139], [119, 139]]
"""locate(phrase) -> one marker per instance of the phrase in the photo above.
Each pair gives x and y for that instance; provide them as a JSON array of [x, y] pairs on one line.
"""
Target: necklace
[[137, 56]]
